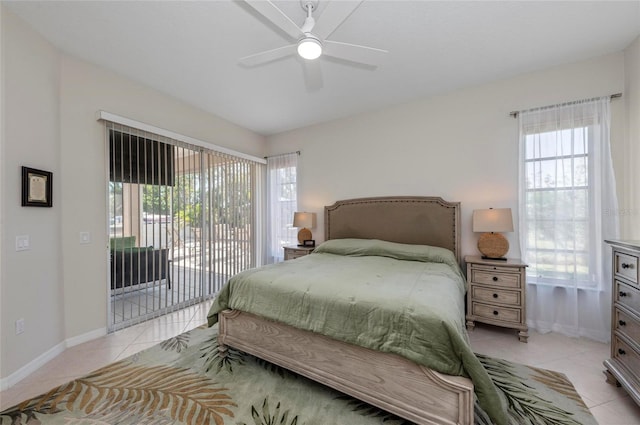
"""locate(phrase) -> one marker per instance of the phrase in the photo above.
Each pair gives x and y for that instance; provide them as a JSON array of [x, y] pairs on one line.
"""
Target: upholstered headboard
[[421, 220]]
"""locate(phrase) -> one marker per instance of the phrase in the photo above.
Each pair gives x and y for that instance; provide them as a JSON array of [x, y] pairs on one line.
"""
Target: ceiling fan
[[311, 37]]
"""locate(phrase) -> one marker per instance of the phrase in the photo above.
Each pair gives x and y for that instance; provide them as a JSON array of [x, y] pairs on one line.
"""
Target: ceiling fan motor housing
[[309, 5]]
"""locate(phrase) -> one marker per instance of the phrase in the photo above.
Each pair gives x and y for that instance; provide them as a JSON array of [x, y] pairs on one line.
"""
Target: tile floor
[[580, 359]]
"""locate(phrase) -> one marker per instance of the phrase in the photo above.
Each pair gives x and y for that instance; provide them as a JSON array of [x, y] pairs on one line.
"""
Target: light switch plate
[[85, 237], [22, 243]]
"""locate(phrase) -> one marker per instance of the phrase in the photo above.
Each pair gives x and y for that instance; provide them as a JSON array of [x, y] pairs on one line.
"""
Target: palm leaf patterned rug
[[183, 381]]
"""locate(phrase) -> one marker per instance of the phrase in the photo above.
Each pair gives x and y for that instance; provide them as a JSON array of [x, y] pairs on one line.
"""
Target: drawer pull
[[627, 266], [495, 278], [495, 295], [622, 323], [623, 294], [495, 312], [621, 352]]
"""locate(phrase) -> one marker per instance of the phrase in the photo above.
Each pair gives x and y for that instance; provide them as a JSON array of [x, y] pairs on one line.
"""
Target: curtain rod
[[281, 154], [514, 114]]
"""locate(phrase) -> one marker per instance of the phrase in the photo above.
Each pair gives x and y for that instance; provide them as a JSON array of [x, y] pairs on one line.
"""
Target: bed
[[384, 239]]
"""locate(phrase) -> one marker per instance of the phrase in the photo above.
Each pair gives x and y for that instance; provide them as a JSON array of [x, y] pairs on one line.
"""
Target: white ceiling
[[190, 50]]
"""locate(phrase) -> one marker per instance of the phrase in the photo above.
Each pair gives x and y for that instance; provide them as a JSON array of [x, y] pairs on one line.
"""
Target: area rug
[[183, 381]]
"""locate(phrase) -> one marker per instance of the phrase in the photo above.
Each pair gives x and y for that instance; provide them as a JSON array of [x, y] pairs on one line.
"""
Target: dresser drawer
[[495, 278], [626, 266], [626, 324], [627, 295], [496, 313], [626, 355], [500, 296]]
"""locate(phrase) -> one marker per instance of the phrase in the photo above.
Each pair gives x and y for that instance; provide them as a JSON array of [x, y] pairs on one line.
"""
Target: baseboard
[[32, 366], [41, 360], [89, 336]]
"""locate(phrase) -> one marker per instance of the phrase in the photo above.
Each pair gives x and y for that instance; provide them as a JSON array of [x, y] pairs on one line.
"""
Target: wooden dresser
[[496, 294], [623, 368]]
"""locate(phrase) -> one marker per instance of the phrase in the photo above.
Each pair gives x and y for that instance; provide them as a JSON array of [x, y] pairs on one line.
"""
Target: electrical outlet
[[19, 326]]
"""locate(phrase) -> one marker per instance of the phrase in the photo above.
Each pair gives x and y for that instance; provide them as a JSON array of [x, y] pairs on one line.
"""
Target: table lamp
[[304, 221], [490, 222]]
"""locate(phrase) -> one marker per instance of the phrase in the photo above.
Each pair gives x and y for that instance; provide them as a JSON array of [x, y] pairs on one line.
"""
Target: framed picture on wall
[[36, 188]]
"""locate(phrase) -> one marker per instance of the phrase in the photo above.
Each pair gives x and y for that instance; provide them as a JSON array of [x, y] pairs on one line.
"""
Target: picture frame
[[309, 243], [37, 188]]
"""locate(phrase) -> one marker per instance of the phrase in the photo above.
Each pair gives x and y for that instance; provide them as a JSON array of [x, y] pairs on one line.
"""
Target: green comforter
[[402, 299]]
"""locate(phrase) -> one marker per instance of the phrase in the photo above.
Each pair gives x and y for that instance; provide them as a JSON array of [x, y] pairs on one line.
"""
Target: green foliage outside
[[227, 197]]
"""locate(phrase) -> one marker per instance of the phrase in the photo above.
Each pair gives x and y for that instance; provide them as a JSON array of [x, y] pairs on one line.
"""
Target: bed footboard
[[385, 380]]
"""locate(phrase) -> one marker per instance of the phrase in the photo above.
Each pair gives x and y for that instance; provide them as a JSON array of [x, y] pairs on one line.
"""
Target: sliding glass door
[[182, 220]]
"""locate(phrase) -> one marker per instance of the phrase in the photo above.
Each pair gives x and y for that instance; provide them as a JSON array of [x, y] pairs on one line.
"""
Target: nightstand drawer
[[626, 324], [293, 252], [626, 295], [626, 266], [481, 293], [502, 314], [494, 278], [626, 355]]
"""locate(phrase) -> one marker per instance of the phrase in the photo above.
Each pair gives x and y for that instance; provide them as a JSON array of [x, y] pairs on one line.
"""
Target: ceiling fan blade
[[268, 56], [354, 52], [270, 11], [333, 15], [312, 75]]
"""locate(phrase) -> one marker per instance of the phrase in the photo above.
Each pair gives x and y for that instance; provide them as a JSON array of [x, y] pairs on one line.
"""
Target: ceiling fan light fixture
[[309, 48]]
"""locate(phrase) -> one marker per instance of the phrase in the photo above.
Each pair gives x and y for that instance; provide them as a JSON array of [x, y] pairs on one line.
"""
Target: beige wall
[[50, 104], [630, 202], [462, 146], [30, 281]]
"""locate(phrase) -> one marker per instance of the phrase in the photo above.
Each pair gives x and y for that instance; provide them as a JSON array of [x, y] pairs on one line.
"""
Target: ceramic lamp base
[[493, 245]]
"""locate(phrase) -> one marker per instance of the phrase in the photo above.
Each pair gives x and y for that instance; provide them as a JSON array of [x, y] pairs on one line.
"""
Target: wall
[[462, 146], [630, 203], [50, 108], [31, 281]]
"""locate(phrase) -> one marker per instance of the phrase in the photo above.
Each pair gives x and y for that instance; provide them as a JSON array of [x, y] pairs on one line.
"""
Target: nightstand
[[291, 252], [496, 294]]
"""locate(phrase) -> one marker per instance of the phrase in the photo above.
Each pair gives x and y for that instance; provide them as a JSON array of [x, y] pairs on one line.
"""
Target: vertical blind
[[183, 219]]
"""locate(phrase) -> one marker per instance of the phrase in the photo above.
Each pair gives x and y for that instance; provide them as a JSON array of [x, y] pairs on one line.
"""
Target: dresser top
[[631, 244]]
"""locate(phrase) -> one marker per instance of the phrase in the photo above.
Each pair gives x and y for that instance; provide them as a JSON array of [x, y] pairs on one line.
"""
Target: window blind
[[191, 217]]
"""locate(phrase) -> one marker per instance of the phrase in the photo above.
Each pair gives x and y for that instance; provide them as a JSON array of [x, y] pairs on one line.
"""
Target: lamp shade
[[492, 220], [303, 219]]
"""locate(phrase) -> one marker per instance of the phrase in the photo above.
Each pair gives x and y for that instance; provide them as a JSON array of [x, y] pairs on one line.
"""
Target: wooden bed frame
[[385, 380]]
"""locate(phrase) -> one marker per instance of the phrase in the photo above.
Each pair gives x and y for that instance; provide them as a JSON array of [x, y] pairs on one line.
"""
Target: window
[[557, 205], [565, 169], [282, 201]]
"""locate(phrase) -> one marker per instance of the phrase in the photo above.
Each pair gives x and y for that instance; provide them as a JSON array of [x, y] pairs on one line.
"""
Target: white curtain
[[567, 209], [281, 204]]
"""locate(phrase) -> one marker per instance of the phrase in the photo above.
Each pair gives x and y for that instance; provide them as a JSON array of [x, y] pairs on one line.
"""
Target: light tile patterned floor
[[580, 359]]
